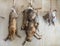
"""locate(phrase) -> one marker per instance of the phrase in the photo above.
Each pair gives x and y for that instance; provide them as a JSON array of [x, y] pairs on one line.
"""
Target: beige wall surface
[[50, 34]]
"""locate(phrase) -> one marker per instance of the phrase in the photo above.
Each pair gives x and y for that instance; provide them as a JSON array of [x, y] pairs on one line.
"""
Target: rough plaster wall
[[58, 9], [50, 34], [45, 5]]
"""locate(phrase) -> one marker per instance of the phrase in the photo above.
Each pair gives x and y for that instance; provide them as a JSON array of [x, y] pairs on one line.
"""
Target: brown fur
[[46, 16], [24, 19], [12, 28], [28, 15], [29, 25], [30, 31]]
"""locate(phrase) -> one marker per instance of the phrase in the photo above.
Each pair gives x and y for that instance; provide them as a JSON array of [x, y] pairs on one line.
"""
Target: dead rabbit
[[30, 31], [12, 27]]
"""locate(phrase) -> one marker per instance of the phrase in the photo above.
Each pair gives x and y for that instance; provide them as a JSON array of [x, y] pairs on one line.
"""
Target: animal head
[[29, 13]]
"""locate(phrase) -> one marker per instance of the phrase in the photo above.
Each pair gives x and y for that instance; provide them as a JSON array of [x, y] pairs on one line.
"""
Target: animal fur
[[49, 18], [29, 25], [28, 14], [30, 31], [12, 27]]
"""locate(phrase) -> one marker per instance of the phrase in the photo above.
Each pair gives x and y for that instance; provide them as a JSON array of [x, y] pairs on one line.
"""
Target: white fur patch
[[30, 8]]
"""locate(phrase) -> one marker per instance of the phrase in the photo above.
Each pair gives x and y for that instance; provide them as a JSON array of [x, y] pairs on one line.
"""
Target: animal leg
[[6, 38], [17, 34], [37, 34], [37, 37]]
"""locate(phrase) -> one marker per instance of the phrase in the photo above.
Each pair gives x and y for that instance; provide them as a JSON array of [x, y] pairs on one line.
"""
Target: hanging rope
[[56, 6], [50, 5], [14, 10], [13, 2]]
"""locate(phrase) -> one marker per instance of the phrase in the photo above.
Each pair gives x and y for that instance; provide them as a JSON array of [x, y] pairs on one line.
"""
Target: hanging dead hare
[[49, 17], [30, 25], [12, 27]]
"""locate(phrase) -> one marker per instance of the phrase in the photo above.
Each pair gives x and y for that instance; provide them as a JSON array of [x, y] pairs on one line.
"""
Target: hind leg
[[6, 38], [17, 34], [37, 37]]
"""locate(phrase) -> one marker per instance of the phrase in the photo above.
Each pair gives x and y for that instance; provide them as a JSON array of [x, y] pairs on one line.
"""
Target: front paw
[[40, 37]]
